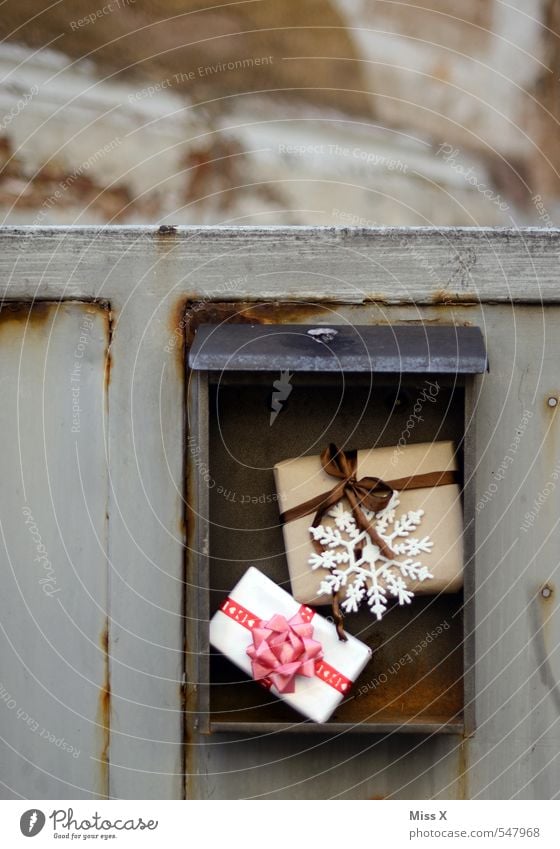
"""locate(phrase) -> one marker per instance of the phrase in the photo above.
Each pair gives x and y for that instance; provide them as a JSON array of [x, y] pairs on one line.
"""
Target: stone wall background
[[364, 112]]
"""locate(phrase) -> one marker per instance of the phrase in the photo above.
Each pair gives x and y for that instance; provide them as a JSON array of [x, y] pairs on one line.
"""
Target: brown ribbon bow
[[369, 492]]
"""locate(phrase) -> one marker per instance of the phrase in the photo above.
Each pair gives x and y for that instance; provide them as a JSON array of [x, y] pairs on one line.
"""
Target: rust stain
[[34, 314], [549, 446], [443, 318], [177, 325], [109, 355], [445, 298], [104, 699], [417, 685], [104, 715], [265, 312], [108, 366], [37, 313], [190, 313], [440, 297], [547, 592], [104, 640], [182, 526], [547, 603]]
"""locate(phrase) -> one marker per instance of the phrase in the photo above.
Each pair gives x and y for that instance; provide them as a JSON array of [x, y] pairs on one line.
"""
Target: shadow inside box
[[414, 681]]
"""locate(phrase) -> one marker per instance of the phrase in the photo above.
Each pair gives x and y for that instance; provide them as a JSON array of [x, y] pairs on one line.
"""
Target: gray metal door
[[92, 511]]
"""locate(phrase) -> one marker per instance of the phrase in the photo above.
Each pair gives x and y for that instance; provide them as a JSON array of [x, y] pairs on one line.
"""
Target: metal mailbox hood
[[349, 348]]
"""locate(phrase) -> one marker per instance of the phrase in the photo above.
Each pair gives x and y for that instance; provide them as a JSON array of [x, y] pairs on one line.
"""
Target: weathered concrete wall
[[343, 112]]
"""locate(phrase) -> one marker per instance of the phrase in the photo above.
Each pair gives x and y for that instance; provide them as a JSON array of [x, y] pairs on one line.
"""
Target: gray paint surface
[[506, 282], [53, 529]]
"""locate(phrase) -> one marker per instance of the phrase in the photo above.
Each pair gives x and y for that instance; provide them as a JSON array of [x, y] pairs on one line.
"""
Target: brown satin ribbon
[[369, 492]]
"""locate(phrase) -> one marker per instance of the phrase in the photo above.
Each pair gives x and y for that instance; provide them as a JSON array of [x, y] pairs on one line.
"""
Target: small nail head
[[553, 401], [546, 592]]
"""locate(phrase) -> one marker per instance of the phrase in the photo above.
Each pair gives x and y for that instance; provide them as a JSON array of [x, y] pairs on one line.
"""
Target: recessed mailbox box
[[355, 386]]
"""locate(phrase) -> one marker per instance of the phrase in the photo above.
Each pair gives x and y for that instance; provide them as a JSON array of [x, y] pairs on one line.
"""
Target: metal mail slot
[[348, 382]]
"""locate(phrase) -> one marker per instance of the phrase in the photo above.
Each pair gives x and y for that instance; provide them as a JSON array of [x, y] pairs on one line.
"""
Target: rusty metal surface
[[372, 276], [307, 264]]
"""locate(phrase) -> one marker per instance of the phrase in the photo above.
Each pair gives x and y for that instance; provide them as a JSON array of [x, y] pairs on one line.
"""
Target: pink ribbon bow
[[283, 648]]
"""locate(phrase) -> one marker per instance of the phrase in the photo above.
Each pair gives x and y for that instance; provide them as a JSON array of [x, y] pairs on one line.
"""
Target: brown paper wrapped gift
[[303, 478]]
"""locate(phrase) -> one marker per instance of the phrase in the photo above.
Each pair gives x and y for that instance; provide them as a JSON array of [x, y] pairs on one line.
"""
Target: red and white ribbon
[[284, 648]]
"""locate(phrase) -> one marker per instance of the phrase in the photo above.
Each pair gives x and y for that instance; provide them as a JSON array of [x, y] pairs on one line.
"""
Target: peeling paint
[[443, 297]]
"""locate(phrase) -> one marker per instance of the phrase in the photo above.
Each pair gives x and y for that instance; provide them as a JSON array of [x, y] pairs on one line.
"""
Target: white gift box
[[255, 599]]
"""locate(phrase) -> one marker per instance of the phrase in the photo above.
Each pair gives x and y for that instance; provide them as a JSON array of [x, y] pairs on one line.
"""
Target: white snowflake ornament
[[357, 564]]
